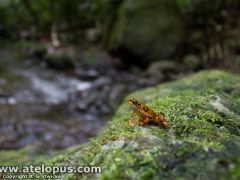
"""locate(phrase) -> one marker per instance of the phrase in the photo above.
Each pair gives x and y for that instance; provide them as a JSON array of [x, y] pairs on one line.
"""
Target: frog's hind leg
[[143, 121], [133, 119]]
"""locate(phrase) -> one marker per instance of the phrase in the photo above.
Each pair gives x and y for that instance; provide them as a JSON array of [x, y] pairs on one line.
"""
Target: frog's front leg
[[133, 119]]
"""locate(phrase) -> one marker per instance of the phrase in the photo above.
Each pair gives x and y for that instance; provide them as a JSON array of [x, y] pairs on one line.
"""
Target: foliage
[[206, 29], [211, 30], [37, 17]]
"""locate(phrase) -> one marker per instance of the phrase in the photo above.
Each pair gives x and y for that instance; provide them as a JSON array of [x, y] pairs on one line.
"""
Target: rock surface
[[202, 143], [152, 30]]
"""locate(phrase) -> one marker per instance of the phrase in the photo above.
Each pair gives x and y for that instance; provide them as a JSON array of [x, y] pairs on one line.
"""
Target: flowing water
[[38, 106], [53, 109]]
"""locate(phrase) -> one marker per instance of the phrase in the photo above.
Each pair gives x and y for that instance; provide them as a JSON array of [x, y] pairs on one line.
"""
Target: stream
[[39, 108], [54, 109]]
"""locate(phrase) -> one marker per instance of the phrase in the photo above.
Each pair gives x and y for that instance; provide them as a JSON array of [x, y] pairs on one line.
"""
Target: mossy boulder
[[203, 141], [149, 31]]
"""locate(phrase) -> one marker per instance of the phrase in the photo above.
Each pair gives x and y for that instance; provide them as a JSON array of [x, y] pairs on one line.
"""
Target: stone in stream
[[60, 60]]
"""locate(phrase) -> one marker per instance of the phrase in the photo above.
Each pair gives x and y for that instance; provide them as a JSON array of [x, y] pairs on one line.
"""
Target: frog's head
[[134, 102]]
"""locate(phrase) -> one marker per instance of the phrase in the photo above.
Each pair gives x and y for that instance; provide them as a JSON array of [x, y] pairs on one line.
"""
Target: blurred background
[[66, 65]]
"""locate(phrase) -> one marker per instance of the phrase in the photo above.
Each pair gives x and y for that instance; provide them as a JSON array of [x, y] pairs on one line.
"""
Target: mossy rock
[[149, 31], [203, 141]]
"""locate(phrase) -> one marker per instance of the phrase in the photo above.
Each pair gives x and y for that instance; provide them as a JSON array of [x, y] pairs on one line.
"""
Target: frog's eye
[[134, 101], [145, 109], [131, 101]]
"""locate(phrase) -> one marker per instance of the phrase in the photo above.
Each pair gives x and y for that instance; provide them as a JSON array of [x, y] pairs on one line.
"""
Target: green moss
[[235, 170], [24, 155], [201, 134], [203, 141]]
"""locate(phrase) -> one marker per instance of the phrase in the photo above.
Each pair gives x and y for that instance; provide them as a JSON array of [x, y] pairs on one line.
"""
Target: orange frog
[[145, 115]]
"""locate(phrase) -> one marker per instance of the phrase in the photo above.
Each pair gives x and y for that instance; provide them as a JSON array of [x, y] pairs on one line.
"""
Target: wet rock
[[5, 98], [88, 75], [83, 86], [39, 52], [102, 81], [59, 61], [32, 49]]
